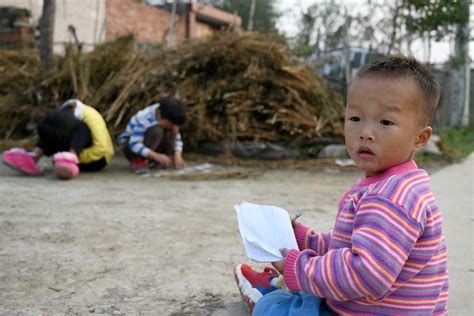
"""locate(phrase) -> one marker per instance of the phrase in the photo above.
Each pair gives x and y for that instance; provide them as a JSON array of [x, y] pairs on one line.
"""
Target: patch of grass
[[457, 143], [309, 152]]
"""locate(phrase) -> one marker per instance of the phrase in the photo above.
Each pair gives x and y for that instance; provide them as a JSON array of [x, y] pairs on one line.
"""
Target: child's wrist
[[300, 231], [289, 271]]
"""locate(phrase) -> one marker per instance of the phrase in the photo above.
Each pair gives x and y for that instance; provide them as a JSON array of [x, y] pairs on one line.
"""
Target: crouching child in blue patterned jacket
[[153, 135]]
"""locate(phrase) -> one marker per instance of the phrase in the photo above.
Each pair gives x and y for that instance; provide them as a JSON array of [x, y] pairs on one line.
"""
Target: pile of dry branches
[[236, 87]]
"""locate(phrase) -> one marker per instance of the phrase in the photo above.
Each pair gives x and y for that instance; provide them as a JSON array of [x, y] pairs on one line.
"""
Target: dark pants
[[80, 139], [158, 139]]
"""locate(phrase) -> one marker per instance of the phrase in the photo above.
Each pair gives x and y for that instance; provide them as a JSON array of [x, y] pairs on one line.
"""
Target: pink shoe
[[65, 165], [18, 159]]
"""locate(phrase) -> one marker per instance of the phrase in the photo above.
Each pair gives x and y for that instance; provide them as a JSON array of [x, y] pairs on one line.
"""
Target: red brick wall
[[146, 23], [15, 29], [19, 37]]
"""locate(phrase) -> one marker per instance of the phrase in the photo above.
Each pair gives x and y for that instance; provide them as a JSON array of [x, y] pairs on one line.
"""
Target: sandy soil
[[117, 243]]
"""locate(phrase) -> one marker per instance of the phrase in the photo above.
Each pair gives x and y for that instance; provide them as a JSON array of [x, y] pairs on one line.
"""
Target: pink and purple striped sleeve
[[383, 237], [307, 238]]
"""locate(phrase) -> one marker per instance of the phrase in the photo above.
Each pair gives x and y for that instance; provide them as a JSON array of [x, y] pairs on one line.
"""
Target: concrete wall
[[471, 99], [87, 16], [443, 112]]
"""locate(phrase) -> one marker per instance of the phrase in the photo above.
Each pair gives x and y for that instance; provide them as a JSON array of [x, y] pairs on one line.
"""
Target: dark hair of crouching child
[[56, 129], [173, 110]]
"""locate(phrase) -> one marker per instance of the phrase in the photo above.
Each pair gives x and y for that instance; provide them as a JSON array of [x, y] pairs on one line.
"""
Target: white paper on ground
[[265, 229]]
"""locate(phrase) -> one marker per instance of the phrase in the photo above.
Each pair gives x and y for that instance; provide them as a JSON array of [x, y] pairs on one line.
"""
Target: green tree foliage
[[321, 29], [265, 17], [380, 26], [439, 17]]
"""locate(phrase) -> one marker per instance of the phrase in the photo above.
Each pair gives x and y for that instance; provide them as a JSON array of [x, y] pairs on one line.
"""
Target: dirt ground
[[118, 243]]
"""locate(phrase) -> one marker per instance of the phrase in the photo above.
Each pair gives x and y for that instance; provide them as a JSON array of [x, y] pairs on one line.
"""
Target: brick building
[[97, 21], [151, 24], [15, 30]]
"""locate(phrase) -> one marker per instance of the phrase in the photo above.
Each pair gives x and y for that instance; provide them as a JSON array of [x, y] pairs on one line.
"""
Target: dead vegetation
[[236, 87]]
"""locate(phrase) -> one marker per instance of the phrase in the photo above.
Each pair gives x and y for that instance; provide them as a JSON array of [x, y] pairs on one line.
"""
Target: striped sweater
[[136, 128], [386, 254]]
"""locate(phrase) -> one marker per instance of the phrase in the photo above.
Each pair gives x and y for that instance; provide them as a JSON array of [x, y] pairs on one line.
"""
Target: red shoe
[[252, 284], [139, 165]]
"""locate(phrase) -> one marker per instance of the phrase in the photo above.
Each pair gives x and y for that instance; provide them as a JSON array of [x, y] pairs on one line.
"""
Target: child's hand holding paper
[[265, 230], [279, 265]]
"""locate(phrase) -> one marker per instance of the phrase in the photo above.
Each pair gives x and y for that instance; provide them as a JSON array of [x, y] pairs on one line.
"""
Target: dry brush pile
[[236, 87]]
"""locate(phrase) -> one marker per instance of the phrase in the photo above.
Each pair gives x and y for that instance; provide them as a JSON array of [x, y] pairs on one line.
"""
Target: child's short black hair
[[411, 68], [57, 126], [173, 110]]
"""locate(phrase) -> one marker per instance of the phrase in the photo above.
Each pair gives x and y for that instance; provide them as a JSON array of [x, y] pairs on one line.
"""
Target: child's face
[[383, 122]]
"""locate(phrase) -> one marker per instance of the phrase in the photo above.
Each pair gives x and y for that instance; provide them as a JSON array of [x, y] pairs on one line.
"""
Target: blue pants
[[284, 303]]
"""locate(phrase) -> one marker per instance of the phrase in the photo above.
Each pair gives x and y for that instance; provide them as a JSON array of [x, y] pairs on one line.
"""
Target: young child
[[153, 134], [386, 254], [75, 135]]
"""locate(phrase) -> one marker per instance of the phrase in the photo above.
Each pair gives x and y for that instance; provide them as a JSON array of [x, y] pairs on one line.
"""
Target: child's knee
[[154, 133], [274, 303], [282, 302], [153, 136]]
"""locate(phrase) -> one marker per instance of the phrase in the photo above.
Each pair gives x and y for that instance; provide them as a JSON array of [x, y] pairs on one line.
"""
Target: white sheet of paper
[[265, 229]]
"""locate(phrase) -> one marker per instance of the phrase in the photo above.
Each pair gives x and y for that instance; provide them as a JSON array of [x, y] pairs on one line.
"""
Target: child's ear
[[423, 137]]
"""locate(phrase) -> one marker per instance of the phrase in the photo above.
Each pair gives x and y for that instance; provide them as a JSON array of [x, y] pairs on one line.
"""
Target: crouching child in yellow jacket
[[77, 137]]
